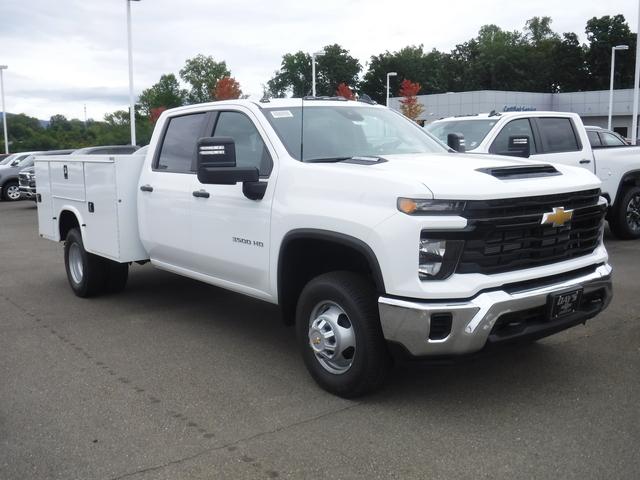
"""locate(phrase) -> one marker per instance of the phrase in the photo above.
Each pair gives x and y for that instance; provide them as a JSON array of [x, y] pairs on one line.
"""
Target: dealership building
[[593, 107]]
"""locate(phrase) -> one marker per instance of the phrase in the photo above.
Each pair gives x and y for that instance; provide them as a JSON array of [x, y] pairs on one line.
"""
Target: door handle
[[585, 161], [146, 188], [201, 194]]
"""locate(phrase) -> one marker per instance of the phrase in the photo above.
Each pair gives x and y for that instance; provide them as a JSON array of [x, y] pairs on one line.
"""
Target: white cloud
[[66, 53]]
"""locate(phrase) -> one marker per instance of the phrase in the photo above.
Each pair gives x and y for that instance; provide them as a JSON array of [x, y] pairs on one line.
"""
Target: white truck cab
[[558, 137], [373, 237]]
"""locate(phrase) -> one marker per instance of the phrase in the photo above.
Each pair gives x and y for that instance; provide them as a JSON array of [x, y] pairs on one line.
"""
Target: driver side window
[[250, 148], [519, 127]]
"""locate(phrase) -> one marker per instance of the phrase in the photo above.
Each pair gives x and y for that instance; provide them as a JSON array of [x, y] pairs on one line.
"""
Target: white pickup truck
[[559, 138], [372, 236]]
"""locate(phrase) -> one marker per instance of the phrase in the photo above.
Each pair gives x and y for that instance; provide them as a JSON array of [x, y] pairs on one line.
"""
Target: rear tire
[[11, 191], [339, 333], [625, 219], [85, 271]]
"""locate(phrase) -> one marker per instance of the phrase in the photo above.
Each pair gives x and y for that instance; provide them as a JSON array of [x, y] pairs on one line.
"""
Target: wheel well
[[305, 255], [7, 180], [68, 220], [631, 179]]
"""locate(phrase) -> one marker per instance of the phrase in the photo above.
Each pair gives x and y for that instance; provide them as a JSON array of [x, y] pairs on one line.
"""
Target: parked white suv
[[369, 234]]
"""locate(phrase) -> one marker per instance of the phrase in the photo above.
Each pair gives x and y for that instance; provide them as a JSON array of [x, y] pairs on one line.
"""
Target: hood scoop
[[518, 172]]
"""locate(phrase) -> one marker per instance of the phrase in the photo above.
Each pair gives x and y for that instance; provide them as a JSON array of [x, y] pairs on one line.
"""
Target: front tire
[[339, 333], [625, 219], [85, 271], [11, 191]]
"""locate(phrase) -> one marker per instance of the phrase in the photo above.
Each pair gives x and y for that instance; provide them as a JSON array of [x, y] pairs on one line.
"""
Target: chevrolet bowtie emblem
[[559, 217]]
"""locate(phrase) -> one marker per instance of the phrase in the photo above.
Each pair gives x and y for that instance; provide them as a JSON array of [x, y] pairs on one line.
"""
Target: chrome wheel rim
[[633, 213], [332, 338], [75, 263], [13, 192]]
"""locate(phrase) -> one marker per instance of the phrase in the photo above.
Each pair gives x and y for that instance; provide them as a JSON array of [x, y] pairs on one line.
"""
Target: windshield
[[8, 159], [474, 131], [26, 162], [341, 132]]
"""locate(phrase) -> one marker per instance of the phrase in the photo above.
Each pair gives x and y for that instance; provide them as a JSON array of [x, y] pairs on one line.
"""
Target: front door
[[231, 232]]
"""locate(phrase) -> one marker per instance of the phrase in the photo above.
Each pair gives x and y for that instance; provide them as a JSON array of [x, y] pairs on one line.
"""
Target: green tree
[[166, 93], [294, 76], [202, 74], [334, 67], [569, 65], [409, 62], [602, 34]]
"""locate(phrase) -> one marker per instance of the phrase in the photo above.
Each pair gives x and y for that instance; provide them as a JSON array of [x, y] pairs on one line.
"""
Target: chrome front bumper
[[408, 322]]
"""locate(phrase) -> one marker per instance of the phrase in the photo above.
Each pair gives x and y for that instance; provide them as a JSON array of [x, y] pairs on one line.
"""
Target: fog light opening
[[440, 327]]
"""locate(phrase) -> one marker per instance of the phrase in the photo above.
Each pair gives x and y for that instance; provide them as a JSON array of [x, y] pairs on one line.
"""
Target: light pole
[[4, 112], [390, 74], [313, 71], [613, 70], [132, 104]]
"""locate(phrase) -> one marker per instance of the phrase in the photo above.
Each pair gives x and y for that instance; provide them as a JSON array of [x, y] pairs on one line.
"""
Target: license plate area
[[562, 304]]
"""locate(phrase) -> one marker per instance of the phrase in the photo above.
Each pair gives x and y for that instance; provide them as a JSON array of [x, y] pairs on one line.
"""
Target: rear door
[[558, 141], [166, 192]]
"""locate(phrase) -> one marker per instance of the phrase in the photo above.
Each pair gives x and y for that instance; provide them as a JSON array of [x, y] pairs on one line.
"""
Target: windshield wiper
[[364, 158], [327, 160]]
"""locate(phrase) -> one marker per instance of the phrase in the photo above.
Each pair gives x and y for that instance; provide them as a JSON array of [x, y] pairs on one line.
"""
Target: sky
[[65, 54]]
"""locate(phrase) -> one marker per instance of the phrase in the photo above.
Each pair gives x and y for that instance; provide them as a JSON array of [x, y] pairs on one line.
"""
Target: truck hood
[[460, 176]]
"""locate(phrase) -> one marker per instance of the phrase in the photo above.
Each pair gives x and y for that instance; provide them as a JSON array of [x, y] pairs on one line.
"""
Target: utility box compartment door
[[67, 180], [101, 233], [46, 222]]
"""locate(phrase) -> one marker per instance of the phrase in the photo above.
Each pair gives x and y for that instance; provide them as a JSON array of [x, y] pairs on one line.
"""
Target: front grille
[[506, 235]]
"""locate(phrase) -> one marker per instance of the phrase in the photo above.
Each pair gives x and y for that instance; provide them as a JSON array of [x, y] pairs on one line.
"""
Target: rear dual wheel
[[89, 274]]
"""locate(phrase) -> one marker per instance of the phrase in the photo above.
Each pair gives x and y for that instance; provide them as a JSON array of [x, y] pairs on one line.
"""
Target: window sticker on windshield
[[281, 114]]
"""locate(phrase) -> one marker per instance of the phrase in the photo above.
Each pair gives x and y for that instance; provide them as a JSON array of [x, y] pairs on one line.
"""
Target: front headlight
[[438, 258], [417, 206]]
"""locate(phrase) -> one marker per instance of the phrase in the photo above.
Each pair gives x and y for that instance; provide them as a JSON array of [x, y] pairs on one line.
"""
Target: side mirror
[[519, 146], [456, 142], [217, 163]]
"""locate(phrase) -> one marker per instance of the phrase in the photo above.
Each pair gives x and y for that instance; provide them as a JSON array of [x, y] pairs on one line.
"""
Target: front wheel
[[11, 191], [339, 333], [625, 219]]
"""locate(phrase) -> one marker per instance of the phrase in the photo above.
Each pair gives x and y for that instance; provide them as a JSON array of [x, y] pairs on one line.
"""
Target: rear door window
[[181, 136], [558, 135]]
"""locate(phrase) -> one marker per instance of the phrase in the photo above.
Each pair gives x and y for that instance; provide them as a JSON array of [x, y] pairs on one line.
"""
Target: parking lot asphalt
[[175, 379]]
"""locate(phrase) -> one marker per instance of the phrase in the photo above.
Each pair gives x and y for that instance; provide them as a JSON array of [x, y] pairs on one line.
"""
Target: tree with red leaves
[[155, 113], [344, 91], [227, 88], [409, 104]]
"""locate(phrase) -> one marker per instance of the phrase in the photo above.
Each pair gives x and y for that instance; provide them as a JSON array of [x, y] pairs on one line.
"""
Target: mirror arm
[[254, 190]]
